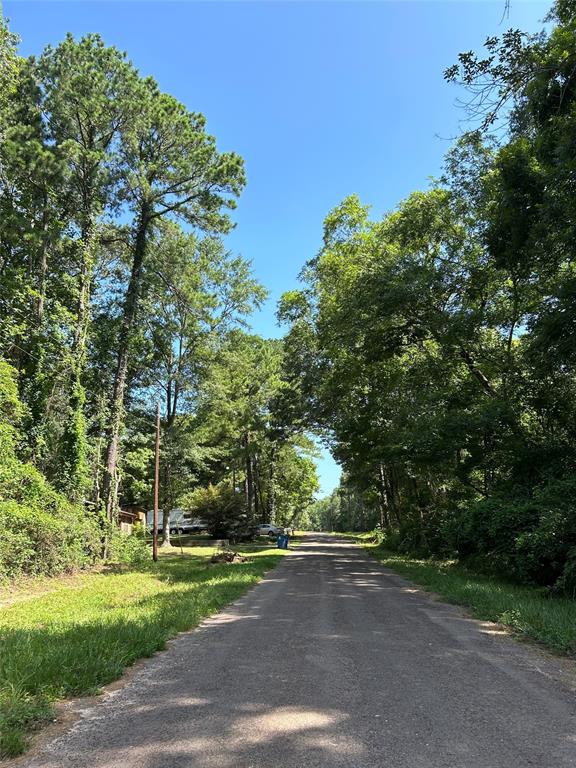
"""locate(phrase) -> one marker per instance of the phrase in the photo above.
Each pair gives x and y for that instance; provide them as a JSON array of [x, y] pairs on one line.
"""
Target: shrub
[[222, 508], [566, 584], [42, 532], [529, 540], [36, 541], [129, 548]]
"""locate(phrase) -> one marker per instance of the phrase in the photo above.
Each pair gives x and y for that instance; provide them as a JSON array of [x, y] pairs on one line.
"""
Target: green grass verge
[[84, 631], [529, 612]]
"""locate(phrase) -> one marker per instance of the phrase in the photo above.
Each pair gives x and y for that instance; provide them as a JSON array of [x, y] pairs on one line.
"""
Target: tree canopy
[[434, 346], [117, 292], [432, 349]]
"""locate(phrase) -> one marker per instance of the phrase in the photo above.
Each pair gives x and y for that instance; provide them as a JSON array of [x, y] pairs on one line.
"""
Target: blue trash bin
[[282, 541]]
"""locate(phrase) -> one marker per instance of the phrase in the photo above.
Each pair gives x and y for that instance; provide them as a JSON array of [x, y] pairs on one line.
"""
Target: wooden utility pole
[[156, 481]]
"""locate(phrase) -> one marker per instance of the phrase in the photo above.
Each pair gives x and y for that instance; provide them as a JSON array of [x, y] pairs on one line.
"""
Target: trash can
[[282, 541]]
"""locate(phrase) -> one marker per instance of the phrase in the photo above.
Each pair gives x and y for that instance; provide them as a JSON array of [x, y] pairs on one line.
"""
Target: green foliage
[[435, 347], [566, 584], [10, 405], [20, 711], [251, 441], [526, 539], [129, 548], [346, 509], [39, 542], [106, 302], [43, 533], [222, 507]]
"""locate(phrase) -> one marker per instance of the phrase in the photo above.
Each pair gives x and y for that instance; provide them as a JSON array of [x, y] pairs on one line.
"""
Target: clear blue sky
[[322, 99]]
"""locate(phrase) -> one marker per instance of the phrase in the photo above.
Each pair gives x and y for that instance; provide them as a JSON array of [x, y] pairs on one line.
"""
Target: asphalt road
[[332, 661]]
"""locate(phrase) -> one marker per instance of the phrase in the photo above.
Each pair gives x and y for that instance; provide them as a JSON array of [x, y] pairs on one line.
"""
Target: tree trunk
[[350, 512], [167, 500], [111, 479], [96, 472], [477, 373], [257, 491], [83, 303], [272, 492], [249, 479], [166, 526], [73, 441], [42, 265], [391, 493], [384, 518]]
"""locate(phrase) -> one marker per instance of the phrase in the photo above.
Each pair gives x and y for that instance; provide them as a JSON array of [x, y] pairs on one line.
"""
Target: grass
[[75, 635], [529, 612]]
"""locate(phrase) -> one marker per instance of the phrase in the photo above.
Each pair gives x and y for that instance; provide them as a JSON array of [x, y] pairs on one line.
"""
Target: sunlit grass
[[82, 633]]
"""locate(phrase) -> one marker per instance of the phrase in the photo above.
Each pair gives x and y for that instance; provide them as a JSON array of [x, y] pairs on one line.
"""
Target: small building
[[129, 516]]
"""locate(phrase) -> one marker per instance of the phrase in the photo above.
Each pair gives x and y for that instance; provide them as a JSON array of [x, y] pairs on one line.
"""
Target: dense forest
[[435, 346], [431, 349], [117, 292]]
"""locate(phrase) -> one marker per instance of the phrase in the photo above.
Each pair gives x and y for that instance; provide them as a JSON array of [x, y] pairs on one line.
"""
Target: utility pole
[[156, 481]]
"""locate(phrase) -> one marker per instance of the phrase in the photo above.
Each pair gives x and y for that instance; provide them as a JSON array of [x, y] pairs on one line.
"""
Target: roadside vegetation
[[65, 637], [435, 345], [117, 293]]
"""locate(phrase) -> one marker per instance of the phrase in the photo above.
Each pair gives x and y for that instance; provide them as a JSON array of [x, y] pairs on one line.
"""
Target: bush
[[526, 539], [42, 532], [421, 532], [529, 540], [39, 542], [129, 548], [19, 709], [222, 508], [566, 584]]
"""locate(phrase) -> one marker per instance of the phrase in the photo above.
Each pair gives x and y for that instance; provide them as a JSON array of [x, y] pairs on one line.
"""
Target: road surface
[[332, 661]]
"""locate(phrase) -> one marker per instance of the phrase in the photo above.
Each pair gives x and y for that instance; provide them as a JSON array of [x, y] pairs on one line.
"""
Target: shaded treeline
[[116, 290], [435, 347]]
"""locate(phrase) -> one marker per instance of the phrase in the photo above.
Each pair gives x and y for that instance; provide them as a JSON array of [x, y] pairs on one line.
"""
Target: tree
[[194, 293], [172, 170], [433, 347], [90, 95], [256, 450]]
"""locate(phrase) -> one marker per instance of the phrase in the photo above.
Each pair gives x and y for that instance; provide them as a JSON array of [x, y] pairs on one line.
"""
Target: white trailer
[[176, 519]]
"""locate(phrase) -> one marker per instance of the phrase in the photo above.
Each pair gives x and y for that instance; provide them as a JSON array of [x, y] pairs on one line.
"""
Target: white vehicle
[[175, 520], [150, 520], [180, 522], [267, 529]]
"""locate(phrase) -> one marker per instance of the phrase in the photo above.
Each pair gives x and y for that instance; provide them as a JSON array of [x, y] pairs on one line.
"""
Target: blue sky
[[322, 99]]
